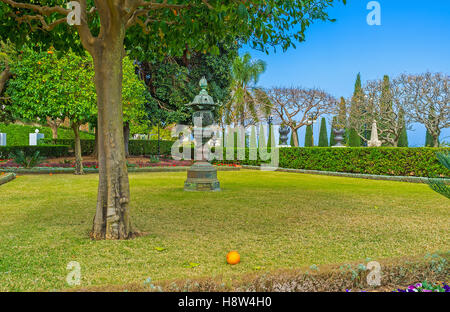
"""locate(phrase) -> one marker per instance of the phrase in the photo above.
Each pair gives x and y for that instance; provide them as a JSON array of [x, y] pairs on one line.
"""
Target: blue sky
[[414, 36]]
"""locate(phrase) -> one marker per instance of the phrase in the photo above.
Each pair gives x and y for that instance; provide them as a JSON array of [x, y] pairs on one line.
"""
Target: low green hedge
[[44, 150], [18, 135], [395, 161], [135, 147], [87, 146], [149, 147]]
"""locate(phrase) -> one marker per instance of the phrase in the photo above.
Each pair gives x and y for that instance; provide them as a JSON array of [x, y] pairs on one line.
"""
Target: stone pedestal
[[202, 176]]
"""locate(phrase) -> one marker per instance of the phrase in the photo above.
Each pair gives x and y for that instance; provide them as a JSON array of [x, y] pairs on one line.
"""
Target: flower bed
[[426, 287]]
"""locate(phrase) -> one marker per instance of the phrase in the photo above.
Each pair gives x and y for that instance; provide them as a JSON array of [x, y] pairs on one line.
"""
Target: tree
[[7, 54], [309, 136], [356, 110], [403, 139], [48, 87], [245, 96], [173, 81], [134, 94], [323, 135], [104, 31], [427, 100], [334, 123], [386, 107], [296, 107], [341, 120], [293, 136]]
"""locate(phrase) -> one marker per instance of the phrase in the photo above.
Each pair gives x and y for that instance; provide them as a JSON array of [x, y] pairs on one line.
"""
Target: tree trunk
[[126, 136], [78, 159], [295, 136], [95, 152], [4, 76], [53, 124], [112, 217], [435, 140]]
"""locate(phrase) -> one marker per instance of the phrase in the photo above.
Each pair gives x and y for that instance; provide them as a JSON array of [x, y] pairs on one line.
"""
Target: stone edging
[[7, 178], [47, 170], [352, 175]]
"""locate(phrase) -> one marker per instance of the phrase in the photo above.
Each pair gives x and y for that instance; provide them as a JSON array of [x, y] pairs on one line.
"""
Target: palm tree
[[245, 96]]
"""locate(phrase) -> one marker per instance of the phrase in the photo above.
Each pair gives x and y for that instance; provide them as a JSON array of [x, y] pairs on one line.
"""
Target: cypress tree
[[341, 121], [353, 139], [253, 142], [323, 135], [262, 137], [403, 138], [333, 126], [309, 136], [386, 106]]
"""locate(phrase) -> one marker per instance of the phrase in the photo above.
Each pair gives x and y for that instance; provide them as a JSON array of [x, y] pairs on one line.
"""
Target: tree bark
[[78, 158], [53, 124], [295, 136], [112, 217], [4, 76], [126, 137], [435, 140]]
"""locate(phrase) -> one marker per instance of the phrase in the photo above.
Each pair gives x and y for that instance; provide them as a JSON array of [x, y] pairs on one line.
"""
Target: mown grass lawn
[[275, 220]]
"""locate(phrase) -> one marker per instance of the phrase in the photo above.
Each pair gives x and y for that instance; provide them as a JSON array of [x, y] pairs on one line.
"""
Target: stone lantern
[[202, 176]]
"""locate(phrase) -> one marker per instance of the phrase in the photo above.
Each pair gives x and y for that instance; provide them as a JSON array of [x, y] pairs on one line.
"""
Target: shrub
[[52, 151], [27, 161], [394, 161], [135, 147], [149, 147], [18, 135], [87, 146]]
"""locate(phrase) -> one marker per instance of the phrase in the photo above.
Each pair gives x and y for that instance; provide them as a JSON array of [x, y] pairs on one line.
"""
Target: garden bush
[[135, 147], [18, 135], [87, 146], [394, 161], [149, 147], [50, 151]]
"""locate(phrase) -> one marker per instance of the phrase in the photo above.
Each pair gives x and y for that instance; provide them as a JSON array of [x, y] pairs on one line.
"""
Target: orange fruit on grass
[[233, 257]]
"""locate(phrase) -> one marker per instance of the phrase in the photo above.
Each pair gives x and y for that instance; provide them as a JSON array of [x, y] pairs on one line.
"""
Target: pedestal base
[[202, 176]]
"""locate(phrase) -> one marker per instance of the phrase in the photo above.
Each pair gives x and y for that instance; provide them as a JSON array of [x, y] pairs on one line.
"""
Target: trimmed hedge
[[393, 161], [149, 147], [18, 135], [87, 146], [45, 150], [135, 147]]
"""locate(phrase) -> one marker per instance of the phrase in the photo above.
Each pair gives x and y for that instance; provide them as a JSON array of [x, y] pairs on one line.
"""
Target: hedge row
[[87, 146], [135, 147], [149, 147], [395, 161], [52, 151], [18, 135]]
